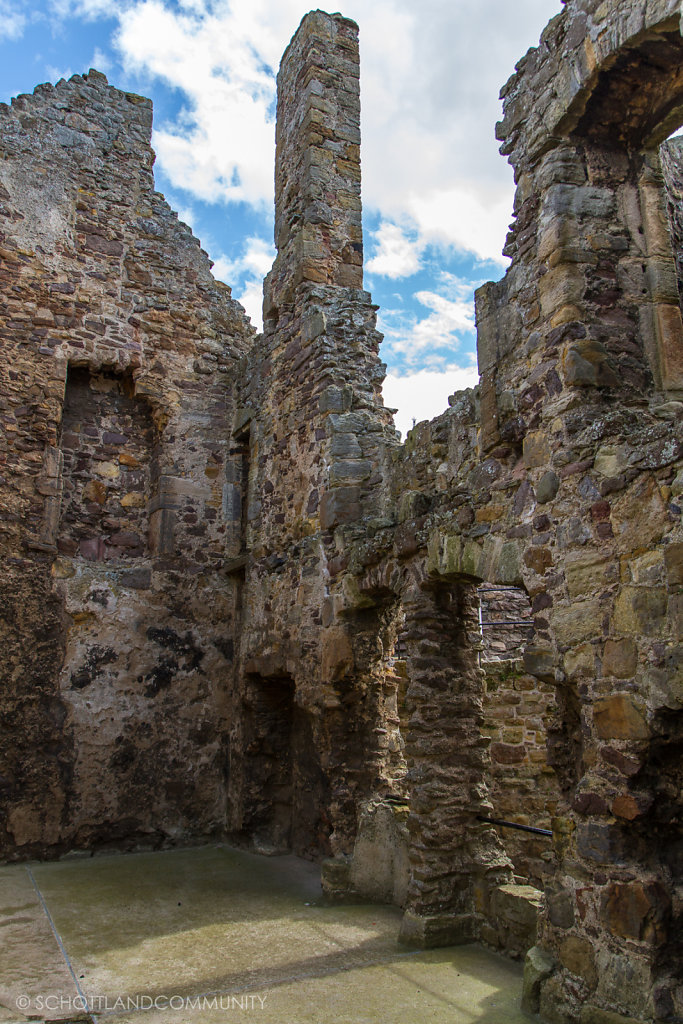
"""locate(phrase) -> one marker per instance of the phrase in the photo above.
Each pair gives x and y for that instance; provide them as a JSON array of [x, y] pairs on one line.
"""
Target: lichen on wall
[[236, 604], [120, 351]]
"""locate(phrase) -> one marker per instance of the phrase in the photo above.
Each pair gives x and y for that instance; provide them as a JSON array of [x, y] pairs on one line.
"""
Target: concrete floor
[[213, 934]]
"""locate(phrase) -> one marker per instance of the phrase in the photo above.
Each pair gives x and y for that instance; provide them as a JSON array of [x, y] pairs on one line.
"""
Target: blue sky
[[437, 195]]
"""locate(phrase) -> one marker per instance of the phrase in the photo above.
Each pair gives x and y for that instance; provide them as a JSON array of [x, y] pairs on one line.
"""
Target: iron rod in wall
[[513, 824], [510, 622]]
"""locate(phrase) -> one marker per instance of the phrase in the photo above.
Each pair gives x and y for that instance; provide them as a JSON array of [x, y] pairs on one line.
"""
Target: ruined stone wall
[[522, 786], [671, 154], [206, 494], [438, 477], [593, 292], [315, 456], [563, 476], [119, 361]]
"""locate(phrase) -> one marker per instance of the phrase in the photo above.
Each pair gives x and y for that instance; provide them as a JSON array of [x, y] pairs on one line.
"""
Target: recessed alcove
[[107, 439]]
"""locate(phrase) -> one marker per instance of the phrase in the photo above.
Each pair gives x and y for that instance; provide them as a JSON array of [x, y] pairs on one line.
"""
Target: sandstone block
[[588, 572], [337, 655], [134, 499], [560, 906], [95, 491], [633, 910], [339, 505], [639, 517], [578, 956], [560, 292], [620, 718], [620, 658], [506, 753], [626, 807], [538, 559], [673, 560], [577, 622], [536, 449], [313, 326], [640, 611], [675, 616], [538, 966], [580, 661], [611, 460], [343, 447], [451, 554], [540, 662], [665, 684]]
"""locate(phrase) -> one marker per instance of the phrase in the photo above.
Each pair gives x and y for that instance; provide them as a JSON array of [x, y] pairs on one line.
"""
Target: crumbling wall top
[[555, 83], [318, 225]]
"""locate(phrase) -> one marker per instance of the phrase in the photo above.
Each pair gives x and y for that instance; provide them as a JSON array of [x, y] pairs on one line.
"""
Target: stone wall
[[560, 474], [671, 154], [120, 357], [314, 429], [215, 547], [523, 787]]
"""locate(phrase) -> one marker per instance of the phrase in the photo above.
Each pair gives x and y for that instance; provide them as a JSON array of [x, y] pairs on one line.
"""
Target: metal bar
[[509, 622], [513, 824], [494, 590]]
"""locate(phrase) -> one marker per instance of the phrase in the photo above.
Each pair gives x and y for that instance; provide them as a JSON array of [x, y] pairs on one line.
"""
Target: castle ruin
[[234, 605]]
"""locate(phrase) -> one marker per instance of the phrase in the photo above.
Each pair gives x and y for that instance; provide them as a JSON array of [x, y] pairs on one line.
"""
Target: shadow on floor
[[214, 934]]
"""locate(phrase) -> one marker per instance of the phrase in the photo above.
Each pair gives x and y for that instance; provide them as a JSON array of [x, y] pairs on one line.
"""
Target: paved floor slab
[[31, 962], [214, 934]]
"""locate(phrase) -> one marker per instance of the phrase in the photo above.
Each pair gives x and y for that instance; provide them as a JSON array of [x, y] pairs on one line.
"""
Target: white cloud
[[430, 79], [258, 256], [465, 218], [88, 9], [12, 20], [430, 341], [396, 255], [188, 215], [250, 268], [430, 83], [101, 62], [55, 74], [221, 56], [424, 394], [251, 297]]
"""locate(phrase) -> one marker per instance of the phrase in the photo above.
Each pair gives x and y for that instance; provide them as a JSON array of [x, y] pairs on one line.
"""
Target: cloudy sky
[[437, 195]]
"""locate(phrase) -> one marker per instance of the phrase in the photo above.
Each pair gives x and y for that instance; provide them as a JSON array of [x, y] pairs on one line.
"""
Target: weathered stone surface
[[516, 908], [379, 867], [577, 622], [538, 966], [620, 658], [547, 488], [135, 641], [640, 611], [620, 718], [578, 956], [229, 591], [634, 910]]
